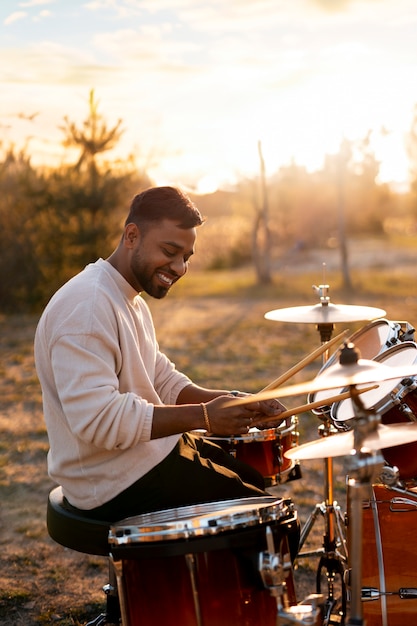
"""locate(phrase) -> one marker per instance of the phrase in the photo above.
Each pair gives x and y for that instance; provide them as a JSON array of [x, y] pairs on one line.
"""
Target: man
[[117, 411]]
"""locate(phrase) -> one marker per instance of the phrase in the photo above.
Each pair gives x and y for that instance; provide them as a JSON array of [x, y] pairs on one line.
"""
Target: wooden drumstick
[[306, 361], [312, 405]]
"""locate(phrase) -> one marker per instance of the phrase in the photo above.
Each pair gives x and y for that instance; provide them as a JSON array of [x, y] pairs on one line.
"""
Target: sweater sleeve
[[96, 410], [168, 380]]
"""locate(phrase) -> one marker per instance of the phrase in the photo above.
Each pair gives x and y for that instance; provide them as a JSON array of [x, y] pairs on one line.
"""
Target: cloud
[[49, 64], [15, 17], [36, 3]]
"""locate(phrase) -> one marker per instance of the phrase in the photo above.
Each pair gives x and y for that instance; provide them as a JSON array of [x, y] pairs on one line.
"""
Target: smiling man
[[117, 411]]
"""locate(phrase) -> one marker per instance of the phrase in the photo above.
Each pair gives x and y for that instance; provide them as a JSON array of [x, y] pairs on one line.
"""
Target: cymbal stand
[[333, 554], [364, 465]]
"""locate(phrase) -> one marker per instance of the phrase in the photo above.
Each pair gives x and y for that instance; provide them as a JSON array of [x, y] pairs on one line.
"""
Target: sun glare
[[300, 101]]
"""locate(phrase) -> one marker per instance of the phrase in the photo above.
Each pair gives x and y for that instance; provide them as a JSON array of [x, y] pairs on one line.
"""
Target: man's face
[[160, 257]]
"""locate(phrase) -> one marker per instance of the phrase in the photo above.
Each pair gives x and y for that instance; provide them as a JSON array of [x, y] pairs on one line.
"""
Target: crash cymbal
[[337, 376], [341, 444], [325, 313], [364, 371]]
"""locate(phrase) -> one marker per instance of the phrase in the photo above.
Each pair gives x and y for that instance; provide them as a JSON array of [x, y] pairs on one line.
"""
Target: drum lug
[[407, 593], [295, 436], [370, 593], [272, 572], [408, 412], [278, 450], [272, 566], [389, 476], [407, 333]]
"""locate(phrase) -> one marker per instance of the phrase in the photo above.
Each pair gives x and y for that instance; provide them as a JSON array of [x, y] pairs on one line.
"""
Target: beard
[[145, 277]]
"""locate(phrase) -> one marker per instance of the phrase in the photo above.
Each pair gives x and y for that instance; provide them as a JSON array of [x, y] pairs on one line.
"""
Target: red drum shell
[[389, 555]]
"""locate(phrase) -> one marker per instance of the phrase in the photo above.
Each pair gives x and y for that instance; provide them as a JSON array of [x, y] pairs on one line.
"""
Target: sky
[[198, 83]]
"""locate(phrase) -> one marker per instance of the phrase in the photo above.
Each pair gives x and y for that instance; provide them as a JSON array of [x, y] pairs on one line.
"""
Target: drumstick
[[312, 405], [306, 361]]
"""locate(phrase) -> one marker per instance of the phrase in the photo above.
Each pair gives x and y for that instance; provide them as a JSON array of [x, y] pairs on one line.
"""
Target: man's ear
[[131, 235]]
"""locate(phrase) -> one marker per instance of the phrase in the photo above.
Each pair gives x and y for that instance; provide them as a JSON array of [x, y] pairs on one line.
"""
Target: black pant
[[196, 471]]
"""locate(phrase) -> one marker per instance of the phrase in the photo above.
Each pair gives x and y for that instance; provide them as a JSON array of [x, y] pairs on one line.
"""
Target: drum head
[[198, 520], [375, 338], [256, 435], [371, 340], [382, 397]]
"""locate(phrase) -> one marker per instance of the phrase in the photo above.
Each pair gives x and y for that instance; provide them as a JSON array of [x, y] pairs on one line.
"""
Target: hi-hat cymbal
[[337, 376], [341, 444], [325, 313]]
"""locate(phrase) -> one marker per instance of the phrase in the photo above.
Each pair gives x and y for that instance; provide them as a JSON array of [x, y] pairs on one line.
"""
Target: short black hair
[[158, 203]]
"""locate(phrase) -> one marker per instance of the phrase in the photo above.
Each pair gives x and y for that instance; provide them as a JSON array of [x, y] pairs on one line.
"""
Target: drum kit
[[231, 562]]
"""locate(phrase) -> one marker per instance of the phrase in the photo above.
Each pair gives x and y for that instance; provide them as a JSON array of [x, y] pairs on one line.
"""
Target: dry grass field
[[214, 329]]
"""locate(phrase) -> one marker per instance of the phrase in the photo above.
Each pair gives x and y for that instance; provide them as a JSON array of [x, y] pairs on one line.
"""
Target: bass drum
[[389, 556], [372, 340], [203, 564]]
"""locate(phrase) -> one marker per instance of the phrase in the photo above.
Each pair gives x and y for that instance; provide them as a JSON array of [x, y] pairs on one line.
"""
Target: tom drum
[[396, 401], [264, 449], [372, 340]]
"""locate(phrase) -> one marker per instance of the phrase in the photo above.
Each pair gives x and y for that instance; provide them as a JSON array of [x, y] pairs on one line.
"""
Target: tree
[[93, 189], [343, 159], [261, 236], [19, 285], [54, 221], [93, 139], [88, 199]]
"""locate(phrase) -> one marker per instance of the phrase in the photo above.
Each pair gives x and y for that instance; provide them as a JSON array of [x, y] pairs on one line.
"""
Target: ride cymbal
[[341, 444], [325, 313]]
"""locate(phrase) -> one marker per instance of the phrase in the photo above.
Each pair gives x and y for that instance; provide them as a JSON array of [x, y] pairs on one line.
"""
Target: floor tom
[[202, 565]]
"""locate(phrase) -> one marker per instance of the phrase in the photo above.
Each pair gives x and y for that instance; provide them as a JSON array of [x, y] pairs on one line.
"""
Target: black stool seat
[[74, 531]]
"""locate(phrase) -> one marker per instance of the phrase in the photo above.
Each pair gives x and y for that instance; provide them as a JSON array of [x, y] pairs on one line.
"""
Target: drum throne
[[89, 537]]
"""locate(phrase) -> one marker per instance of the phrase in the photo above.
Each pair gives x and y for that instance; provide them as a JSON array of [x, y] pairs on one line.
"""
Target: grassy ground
[[220, 339]]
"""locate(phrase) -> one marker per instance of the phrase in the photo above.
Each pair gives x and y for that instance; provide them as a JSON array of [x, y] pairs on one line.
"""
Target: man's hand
[[269, 408]]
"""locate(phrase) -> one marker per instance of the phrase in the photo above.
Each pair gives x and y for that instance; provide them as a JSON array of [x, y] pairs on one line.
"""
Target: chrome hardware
[[389, 476], [272, 567]]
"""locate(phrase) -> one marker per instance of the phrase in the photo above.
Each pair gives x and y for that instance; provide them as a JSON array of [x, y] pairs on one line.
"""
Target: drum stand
[[363, 466], [333, 554]]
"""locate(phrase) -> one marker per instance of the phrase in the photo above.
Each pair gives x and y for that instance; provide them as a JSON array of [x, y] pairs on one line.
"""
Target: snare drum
[[204, 564], [389, 557], [264, 449], [372, 340], [396, 401]]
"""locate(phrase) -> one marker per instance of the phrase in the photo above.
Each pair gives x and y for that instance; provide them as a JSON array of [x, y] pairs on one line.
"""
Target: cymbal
[[325, 313], [364, 371], [335, 377], [341, 444]]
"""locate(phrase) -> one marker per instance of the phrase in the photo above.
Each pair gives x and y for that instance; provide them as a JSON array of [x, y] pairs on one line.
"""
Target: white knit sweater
[[101, 373]]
